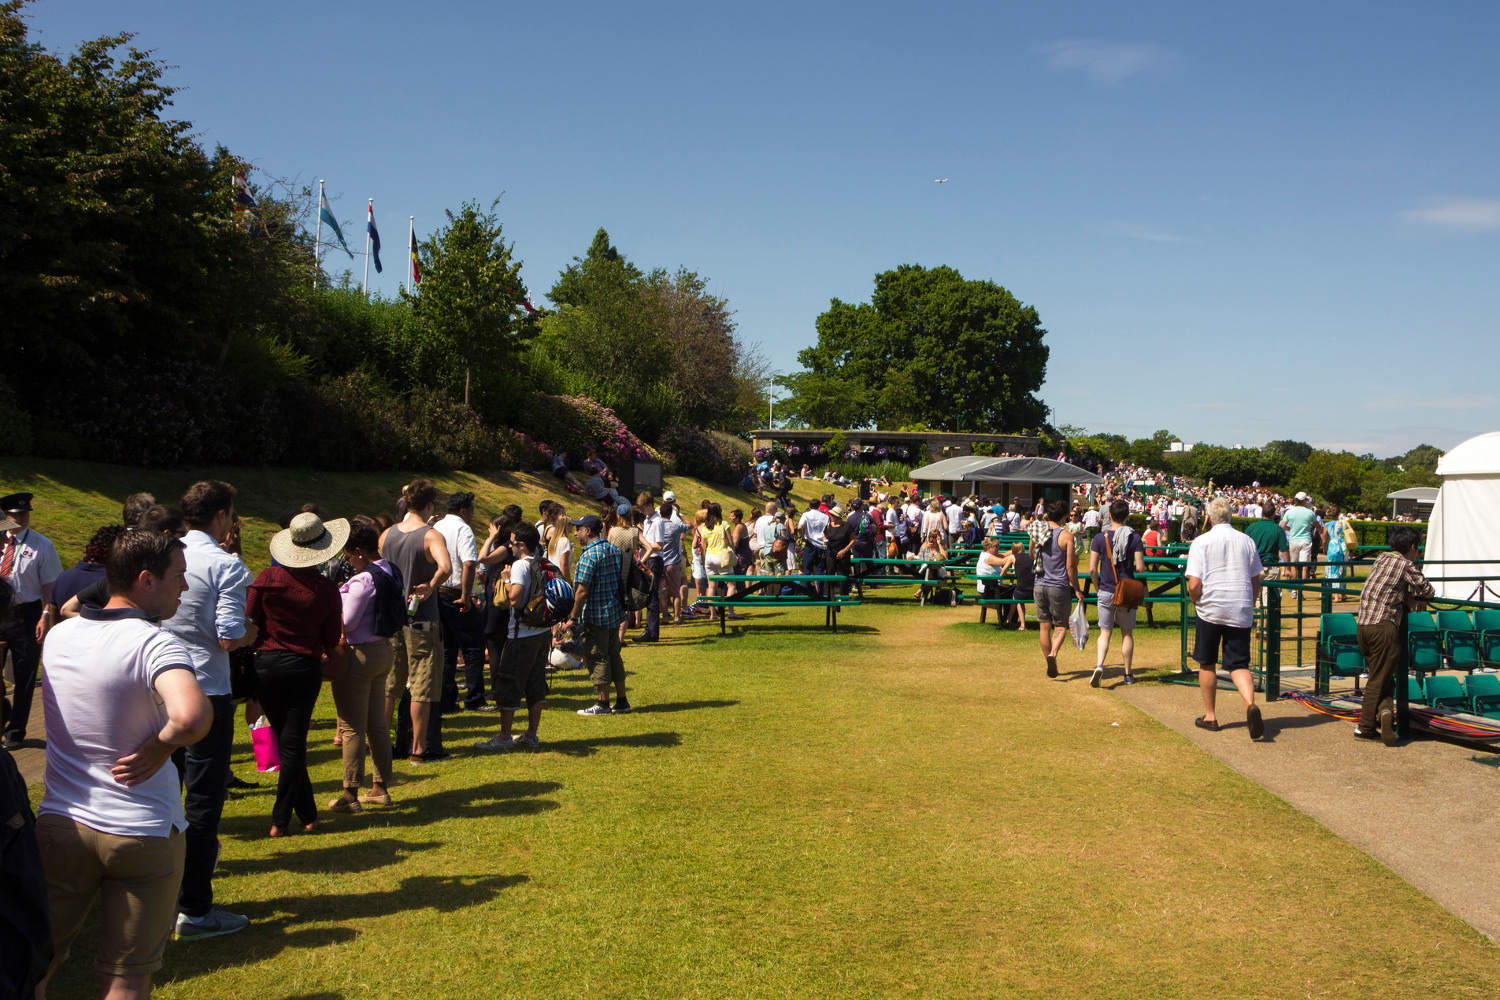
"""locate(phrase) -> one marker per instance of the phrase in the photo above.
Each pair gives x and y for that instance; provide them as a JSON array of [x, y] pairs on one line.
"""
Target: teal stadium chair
[[1484, 693], [1487, 624], [1460, 641], [1446, 692], [1424, 643], [1338, 650], [1414, 693]]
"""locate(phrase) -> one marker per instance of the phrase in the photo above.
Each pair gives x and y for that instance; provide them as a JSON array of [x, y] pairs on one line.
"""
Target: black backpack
[[636, 586], [390, 600]]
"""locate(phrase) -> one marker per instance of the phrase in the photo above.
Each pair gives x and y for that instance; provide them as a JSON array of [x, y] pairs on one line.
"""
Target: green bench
[[808, 593]]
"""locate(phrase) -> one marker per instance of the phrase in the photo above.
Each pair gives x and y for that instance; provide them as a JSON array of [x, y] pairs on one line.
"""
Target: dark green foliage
[[715, 457], [1297, 451], [930, 347], [574, 424]]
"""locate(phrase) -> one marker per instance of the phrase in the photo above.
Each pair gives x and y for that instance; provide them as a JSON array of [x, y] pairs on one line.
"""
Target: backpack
[[549, 599], [390, 600], [636, 586]]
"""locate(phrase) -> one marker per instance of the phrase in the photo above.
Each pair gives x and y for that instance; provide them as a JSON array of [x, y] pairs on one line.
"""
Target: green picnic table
[[956, 571], [807, 592]]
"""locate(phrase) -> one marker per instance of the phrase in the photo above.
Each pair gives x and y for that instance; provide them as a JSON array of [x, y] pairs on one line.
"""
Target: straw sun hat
[[310, 541]]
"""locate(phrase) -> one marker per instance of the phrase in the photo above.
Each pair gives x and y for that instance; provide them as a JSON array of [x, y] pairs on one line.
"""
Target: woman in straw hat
[[300, 617]]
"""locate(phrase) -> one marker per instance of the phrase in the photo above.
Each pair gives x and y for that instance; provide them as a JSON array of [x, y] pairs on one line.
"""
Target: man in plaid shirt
[[596, 605], [1393, 583]]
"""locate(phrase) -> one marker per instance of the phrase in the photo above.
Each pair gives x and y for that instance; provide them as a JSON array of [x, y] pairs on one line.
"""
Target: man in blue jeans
[[211, 622]]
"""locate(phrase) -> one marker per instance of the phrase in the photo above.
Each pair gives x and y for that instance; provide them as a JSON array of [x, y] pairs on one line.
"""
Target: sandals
[[1211, 726], [343, 805]]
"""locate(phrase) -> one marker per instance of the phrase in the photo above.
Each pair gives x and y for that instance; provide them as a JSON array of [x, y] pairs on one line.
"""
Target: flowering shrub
[[575, 423], [717, 458], [853, 454], [761, 454], [795, 451], [815, 450], [881, 452], [516, 450]]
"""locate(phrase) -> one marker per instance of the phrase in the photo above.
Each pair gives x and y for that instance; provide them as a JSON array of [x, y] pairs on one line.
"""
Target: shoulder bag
[[1130, 593]]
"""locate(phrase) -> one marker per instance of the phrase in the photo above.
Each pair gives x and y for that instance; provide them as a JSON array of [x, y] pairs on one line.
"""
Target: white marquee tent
[[1465, 520]]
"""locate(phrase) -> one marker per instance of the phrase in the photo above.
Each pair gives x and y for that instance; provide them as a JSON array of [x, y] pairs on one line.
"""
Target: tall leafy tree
[[469, 305], [931, 347]]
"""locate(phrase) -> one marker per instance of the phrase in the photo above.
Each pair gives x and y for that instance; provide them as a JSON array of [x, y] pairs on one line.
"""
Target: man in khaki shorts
[[421, 554], [120, 695]]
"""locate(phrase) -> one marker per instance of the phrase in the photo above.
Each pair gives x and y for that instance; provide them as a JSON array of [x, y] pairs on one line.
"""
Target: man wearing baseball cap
[[29, 563], [1300, 524], [596, 605]]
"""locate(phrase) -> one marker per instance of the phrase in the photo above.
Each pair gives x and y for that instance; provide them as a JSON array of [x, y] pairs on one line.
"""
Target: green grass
[[906, 809]]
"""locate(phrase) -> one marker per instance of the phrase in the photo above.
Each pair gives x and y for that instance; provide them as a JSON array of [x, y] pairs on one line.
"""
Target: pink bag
[[263, 742]]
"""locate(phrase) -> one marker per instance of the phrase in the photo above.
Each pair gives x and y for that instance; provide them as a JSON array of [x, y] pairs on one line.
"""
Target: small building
[[1414, 501], [940, 444], [1003, 480]]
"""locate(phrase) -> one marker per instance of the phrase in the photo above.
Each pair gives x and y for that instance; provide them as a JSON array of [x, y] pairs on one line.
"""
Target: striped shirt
[[1391, 579]]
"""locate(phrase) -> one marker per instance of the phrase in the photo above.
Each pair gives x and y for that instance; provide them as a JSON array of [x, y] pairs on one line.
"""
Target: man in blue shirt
[[211, 622], [596, 604]]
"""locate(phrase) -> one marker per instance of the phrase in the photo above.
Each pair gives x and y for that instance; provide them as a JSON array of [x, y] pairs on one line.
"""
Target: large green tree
[[118, 235], [930, 347], [469, 304]]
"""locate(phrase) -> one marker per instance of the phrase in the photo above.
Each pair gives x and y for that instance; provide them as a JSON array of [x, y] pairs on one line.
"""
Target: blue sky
[[1237, 223]]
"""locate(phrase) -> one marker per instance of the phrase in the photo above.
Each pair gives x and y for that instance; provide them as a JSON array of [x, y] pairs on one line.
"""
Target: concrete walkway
[[1427, 809]]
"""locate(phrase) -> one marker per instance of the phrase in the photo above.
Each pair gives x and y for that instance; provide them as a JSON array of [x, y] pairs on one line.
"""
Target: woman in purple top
[[360, 695]]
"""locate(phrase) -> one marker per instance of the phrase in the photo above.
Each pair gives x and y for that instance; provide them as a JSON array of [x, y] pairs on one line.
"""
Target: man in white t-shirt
[[811, 527], [462, 626], [955, 515], [1223, 577], [120, 695]]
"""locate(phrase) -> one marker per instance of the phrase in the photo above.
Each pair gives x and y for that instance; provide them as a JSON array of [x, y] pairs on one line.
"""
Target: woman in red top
[[300, 617]]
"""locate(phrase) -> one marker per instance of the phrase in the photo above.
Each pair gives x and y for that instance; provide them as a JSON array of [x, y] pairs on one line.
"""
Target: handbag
[[1130, 593], [263, 742]]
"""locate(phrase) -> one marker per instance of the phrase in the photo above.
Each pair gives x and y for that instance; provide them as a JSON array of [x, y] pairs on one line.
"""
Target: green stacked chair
[[1424, 643], [1487, 624], [1414, 693], [1484, 694], [1460, 641], [1446, 692], [1338, 650]]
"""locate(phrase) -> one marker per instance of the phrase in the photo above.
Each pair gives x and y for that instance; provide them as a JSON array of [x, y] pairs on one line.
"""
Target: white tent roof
[[1478, 456], [1421, 494]]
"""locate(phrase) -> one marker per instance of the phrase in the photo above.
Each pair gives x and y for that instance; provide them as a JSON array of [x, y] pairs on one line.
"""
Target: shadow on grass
[[494, 799], [274, 923], [741, 628], [589, 747], [363, 856]]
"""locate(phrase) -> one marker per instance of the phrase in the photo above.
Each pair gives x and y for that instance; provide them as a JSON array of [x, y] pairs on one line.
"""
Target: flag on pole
[[416, 270], [326, 214], [245, 203], [374, 234]]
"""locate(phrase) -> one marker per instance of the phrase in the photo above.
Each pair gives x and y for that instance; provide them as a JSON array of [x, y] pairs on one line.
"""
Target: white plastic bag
[[1078, 624]]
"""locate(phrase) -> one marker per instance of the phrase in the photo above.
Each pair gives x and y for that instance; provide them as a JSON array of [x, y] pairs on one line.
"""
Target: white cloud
[[1134, 232], [1396, 399], [1472, 214], [1108, 63]]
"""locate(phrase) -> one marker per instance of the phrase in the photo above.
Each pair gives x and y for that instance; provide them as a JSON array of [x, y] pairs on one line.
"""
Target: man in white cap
[[1301, 524]]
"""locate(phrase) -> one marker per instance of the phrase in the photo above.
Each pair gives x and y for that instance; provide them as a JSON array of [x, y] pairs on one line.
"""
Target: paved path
[[1427, 809]]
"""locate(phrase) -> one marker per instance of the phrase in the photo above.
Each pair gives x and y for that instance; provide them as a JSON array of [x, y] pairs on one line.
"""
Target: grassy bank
[[75, 498]]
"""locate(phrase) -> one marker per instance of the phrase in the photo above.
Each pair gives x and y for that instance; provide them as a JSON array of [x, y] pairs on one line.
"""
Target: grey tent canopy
[[979, 469]]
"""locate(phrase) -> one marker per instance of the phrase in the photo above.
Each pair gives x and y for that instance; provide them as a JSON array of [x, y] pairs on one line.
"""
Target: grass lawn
[[909, 808]]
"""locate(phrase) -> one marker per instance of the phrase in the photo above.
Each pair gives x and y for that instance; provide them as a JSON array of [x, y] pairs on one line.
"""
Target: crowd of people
[[160, 628]]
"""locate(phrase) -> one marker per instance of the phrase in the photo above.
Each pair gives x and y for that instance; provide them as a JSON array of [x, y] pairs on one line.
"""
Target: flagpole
[[318, 235], [370, 210], [411, 236]]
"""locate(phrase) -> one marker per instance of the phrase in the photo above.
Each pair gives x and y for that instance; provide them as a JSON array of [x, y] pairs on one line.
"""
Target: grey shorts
[[1053, 604], [1111, 617]]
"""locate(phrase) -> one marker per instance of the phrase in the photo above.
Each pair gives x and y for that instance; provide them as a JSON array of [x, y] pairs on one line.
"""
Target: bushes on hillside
[[716, 457], [575, 423], [358, 427]]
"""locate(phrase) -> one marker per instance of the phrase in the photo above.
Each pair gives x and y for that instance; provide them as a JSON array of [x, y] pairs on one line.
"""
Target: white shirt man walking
[[1223, 578]]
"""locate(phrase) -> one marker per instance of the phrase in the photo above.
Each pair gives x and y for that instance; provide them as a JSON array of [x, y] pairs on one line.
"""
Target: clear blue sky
[[1237, 223]]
